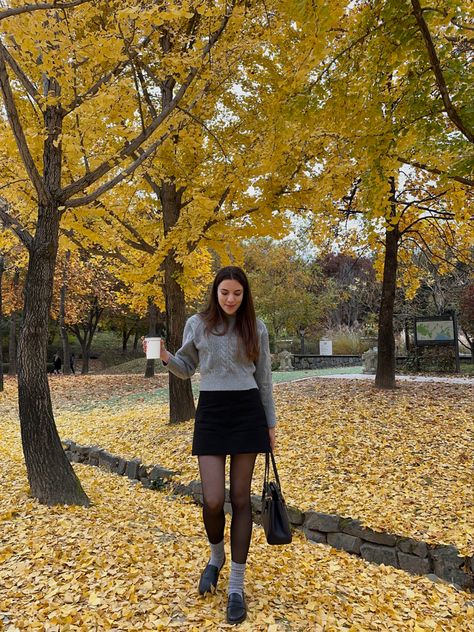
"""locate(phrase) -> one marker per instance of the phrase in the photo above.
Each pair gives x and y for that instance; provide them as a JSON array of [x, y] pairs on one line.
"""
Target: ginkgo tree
[[67, 88], [222, 176], [382, 100]]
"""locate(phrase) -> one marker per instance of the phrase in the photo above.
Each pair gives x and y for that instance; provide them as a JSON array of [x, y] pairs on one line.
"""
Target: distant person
[[57, 364], [72, 360]]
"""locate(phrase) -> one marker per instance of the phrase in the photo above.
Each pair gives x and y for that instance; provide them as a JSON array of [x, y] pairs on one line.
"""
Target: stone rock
[[179, 489], [284, 359], [82, 449], [414, 564], [159, 472], [120, 466], [452, 573], [256, 503], [420, 548], [75, 457], [345, 542], [355, 528], [404, 545], [107, 461], [315, 536], [147, 484], [295, 515], [321, 522], [94, 455], [68, 444], [370, 361], [434, 578], [228, 508], [454, 576], [195, 487], [142, 472], [447, 554], [131, 469], [379, 554], [471, 563]]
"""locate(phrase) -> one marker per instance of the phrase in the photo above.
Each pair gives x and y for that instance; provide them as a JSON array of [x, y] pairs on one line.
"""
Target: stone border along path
[[436, 561]]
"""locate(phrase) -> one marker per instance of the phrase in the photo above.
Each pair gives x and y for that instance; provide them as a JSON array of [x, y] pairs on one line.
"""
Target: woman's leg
[[212, 471], [241, 471]]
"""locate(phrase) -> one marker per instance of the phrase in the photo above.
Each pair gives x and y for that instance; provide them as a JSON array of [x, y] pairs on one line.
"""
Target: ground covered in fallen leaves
[[399, 461]]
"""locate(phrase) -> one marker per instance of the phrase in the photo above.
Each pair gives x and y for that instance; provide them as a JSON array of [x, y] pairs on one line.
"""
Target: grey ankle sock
[[217, 554], [236, 579]]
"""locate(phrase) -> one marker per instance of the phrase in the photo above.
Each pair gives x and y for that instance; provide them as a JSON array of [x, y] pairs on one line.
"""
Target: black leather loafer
[[208, 580], [236, 608]]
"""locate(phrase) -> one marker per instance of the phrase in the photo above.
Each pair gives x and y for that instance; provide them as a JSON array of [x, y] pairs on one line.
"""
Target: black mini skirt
[[230, 422]]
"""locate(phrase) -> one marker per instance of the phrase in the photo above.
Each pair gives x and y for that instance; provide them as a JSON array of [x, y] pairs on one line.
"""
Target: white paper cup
[[153, 348]]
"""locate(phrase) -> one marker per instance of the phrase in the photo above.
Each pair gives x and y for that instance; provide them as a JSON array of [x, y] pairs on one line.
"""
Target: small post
[[302, 332], [456, 341]]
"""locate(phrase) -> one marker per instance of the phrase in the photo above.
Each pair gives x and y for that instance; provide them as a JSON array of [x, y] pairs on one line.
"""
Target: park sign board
[[436, 330]]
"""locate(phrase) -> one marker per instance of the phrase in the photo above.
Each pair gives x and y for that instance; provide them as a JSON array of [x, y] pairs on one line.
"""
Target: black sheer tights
[[212, 470]]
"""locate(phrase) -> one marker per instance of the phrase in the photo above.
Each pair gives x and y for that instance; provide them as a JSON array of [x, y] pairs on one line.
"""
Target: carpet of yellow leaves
[[399, 461], [131, 561]]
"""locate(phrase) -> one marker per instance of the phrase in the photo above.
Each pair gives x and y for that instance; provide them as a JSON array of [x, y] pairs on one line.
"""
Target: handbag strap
[[267, 468]]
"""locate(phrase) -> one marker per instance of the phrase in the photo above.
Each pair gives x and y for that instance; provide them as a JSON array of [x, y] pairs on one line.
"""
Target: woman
[[235, 416]]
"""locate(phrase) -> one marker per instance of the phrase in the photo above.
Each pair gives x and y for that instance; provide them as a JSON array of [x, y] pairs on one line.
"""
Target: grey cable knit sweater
[[222, 368]]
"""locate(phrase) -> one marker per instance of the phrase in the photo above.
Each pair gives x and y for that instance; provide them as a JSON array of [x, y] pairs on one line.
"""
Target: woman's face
[[229, 295]]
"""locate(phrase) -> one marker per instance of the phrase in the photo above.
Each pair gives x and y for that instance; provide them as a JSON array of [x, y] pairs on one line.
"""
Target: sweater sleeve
[[263, 377], [184, 362]]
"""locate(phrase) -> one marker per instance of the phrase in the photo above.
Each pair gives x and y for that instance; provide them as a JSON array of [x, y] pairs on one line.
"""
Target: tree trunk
[[125, 336], [62, 319], [85, 358], [50, 475], [12, 340], [12, 345], [2, 270], [181, 395], [89, 330], [136, 339], [385, 375], [150, 364]]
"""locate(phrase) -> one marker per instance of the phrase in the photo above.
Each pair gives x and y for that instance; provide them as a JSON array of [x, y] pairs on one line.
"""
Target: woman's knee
[[239, 500], [214, 503]]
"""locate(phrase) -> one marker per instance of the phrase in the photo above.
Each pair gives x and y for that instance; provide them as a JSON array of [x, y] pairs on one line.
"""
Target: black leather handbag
[[275, 519]]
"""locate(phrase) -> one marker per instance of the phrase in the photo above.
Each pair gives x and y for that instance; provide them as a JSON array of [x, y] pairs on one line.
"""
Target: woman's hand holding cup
[[150, 347]]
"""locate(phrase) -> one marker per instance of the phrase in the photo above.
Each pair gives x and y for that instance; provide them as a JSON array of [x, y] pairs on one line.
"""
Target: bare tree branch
[[18, 132], [40, 6], [91, 197], [204, 126], [438, 73], [12, 222], [130, 148], [22, 78], [140, 244], [420, 165], [96, 249]]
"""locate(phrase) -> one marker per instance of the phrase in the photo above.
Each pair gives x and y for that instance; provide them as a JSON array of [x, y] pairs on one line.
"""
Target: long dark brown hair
[[246, 322]]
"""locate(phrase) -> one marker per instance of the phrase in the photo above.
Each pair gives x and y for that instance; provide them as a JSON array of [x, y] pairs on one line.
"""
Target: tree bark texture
[[2, 270], [12, 336], [88, 330], [150, 363], [385, 375], [51, 477], [62, 319], [182, 405]]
